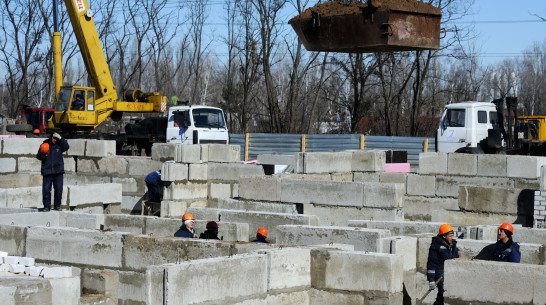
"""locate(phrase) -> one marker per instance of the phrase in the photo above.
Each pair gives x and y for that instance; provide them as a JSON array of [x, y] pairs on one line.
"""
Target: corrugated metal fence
[[267, 143]]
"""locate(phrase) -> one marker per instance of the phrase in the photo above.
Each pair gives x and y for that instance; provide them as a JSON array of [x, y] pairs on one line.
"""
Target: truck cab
[[465, 125], [196, 125]]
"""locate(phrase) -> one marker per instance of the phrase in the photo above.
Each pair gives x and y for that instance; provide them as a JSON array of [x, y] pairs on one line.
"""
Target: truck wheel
[[19, 128]]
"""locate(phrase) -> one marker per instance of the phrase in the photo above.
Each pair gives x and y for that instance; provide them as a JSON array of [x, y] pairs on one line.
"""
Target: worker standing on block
[[186, 229], [261, 235], [51, 155], [506, 249], [211, 232], [442, 248]]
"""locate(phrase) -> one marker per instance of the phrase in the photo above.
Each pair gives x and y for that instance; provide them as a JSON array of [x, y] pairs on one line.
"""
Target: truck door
[[179, 128], [452, 134]]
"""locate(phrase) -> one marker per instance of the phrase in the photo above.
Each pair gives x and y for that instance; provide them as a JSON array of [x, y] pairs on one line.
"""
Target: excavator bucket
[[373, 26]]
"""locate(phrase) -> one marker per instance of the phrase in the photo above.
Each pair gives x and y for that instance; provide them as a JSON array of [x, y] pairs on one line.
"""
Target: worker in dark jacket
[[51, 155], [155, 186], [506, 249], [186, 229], [442, 248], [261, 235], [211, 232]]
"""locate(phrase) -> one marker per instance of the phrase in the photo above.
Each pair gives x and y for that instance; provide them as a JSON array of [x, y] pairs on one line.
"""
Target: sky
[[507, 27]]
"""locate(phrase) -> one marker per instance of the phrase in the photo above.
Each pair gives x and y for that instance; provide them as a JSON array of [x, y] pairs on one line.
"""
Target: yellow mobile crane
[[81, 109]]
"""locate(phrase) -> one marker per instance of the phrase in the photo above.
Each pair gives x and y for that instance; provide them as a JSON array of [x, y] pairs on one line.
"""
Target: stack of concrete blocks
[[323, 186], [23, 282], [443, 174], [495, 283], [199, 175], [539, 213], [285, 276]]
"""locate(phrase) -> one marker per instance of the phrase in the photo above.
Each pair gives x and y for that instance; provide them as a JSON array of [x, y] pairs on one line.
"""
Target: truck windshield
[[63, 100], [208, 118], [454, 118]]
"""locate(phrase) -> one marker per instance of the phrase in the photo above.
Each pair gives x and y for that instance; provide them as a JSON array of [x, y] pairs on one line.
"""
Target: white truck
[[477, 128]]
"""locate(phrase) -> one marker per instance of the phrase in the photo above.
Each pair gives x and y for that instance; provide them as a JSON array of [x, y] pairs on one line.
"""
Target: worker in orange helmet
[[261, 236], [506, 249], [51, 154], [36, 132], [186, 229], [442, 248]]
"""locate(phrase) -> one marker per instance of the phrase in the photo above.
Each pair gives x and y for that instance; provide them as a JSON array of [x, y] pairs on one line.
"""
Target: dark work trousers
[[440, 295], [57, 181]]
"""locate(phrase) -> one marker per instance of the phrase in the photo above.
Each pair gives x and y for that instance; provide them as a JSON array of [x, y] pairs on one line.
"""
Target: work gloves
[[431, 286], [57, 136]]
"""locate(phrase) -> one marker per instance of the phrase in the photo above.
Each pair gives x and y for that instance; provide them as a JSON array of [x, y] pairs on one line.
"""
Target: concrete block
[[77, 147], [190, 282], [57, 272], [491, 165], [270, 221], [205, 213], [75, 246], [232, 171], [128, 185], [383, 195], [104, 282], [164, 152], [362, 239], [16, 180], [224, 153], [69, 164], [66, 290], [197, 172], [173, 208], [288, 268], [294, 298], [188, 153], [366, 176], [325, 297], [13, 239], [448, 186], [21, 146], [253, 188], [219, 190], [7, 165], [16, 268], [399, 228], [330, 269], [469, 218], [529, 235], [34, 270], [28, 164], [126, 223], [462, 164], [87, 166], [142, 167], [338, 215], [18, 289], [524, 166], [28, 197], [11, 260], [2, 255], [113, 165], [471, 282], [256, 206], [277, 159], [100, 148], [185, 191], [326, 162], [174, 171], [433, 163], [344, 177], [421, 185], [367, 161], [488, 199], [393, 177], [204, 153], [322, 192], [542, 178], [26, 261], [83, 220], [102, 194], [405, 246]]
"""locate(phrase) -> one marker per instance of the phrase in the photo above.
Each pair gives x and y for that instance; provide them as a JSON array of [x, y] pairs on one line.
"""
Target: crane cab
[[75, 106]]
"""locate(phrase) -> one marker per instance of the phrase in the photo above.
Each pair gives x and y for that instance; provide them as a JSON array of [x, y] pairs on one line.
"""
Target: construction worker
[[211, 232], [186, 229], [442, 248], [51, 155], [261, 235], [155, 186], [506, 249], [36, 132]]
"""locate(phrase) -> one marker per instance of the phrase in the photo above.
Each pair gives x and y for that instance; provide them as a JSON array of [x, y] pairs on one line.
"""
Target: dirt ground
[[334, 8]]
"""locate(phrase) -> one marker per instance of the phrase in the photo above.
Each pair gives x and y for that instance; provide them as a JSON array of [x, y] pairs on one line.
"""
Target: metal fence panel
[[287, 144]]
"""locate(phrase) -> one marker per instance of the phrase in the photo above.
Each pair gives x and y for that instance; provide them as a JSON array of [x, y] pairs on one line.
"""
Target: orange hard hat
[[187, 216], [44, 148], [36, 131], [445, 228], [508, 227], [262, 231]]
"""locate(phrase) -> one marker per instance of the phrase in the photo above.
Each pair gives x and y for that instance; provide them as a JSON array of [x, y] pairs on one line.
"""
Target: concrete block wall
[[539, 209]]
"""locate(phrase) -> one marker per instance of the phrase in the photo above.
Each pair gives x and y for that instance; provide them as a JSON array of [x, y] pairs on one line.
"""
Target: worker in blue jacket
[[506, 249], [51, 154], [186, 229], [442, 248], [155, 186]]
